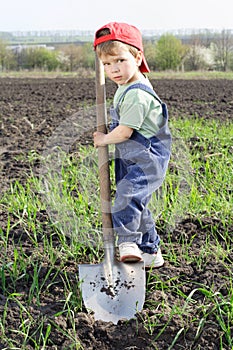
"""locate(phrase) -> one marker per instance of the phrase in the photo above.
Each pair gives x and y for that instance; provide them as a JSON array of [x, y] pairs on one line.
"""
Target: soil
[[30, 111]]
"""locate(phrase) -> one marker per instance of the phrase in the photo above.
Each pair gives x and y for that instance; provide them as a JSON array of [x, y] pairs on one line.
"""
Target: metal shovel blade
[[113, 293]]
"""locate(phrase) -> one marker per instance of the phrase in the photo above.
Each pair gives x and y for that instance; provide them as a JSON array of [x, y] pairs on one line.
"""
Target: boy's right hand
[[99, 139]]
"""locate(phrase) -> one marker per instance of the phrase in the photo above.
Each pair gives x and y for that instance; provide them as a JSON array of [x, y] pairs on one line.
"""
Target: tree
[[88, 56], [150, 53], [70, 57], [223, 49], [169, 52], [77, 56], [2, 54], [7, 60], [198, 58], [39, 57]]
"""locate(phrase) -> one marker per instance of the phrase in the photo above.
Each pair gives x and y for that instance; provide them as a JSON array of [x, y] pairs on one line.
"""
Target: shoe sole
[[130, 258]]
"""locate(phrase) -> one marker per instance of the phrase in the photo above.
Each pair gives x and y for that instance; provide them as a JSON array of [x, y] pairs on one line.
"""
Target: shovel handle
[[103, 156]]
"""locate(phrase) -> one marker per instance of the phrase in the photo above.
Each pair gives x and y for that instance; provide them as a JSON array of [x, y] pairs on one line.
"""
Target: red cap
[[127, 34]]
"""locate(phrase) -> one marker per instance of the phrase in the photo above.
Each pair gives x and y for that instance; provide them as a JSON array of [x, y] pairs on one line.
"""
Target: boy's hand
[[120, 134], [98, 139]]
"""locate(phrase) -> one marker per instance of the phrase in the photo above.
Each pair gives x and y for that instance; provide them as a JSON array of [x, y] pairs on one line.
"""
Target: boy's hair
[[110, 47]]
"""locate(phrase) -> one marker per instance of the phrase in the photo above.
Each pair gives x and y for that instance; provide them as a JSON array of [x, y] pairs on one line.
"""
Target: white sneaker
[[129, 252], [153, 261]]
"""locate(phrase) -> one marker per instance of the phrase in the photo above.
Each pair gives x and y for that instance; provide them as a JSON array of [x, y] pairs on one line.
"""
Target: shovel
[[111, 289]]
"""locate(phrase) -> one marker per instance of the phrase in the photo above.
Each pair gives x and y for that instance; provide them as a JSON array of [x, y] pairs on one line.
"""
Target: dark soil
[[30, 111]]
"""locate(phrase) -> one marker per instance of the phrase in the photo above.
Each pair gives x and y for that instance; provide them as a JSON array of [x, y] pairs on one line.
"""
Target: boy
[[142, 141]]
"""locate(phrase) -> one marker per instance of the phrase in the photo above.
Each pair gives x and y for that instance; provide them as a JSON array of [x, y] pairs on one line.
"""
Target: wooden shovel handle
[[103, 155]]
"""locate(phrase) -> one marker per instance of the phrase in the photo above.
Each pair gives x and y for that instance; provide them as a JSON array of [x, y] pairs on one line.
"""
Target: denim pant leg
[[126, 212], [140, 171], [150, 237], [132, 219]]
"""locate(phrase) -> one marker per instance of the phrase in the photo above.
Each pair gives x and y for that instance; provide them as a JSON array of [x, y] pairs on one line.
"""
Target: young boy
[[142, 141]]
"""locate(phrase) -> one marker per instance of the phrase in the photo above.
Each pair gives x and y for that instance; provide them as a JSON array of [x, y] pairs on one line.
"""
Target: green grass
[[58, 215], [36, 73], [202, 169], [88, 73], [191, 75]]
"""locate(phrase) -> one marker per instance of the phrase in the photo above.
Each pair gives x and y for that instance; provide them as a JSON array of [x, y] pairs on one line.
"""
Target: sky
[[39, 15]]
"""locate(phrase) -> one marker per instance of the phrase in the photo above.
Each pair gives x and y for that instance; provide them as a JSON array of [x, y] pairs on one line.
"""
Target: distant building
[[19, 48]]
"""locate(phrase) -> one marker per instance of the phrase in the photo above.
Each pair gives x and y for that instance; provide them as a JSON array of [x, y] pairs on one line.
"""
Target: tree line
[[168, 52]]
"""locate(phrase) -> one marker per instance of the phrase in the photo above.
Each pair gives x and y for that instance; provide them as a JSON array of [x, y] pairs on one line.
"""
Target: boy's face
[[122, 67]]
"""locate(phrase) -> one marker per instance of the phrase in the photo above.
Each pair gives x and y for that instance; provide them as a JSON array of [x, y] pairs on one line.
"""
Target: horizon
[[91, 31]]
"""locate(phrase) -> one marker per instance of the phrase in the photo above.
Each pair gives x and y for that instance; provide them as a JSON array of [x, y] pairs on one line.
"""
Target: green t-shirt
[[139, 110]]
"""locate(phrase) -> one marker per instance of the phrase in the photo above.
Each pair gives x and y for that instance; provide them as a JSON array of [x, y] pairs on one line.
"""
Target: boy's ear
[[138, 58]]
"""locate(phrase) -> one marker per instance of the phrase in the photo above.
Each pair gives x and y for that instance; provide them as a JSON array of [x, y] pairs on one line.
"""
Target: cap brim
[[144, 68]]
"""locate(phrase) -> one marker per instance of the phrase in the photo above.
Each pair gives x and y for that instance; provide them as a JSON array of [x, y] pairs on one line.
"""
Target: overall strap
[[142, 87]]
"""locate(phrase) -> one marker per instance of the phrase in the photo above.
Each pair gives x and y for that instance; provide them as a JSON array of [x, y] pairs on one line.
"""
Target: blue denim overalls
[[140, 168]]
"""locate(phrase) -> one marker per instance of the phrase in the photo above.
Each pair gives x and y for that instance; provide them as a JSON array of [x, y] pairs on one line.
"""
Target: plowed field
[[30, 111]]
